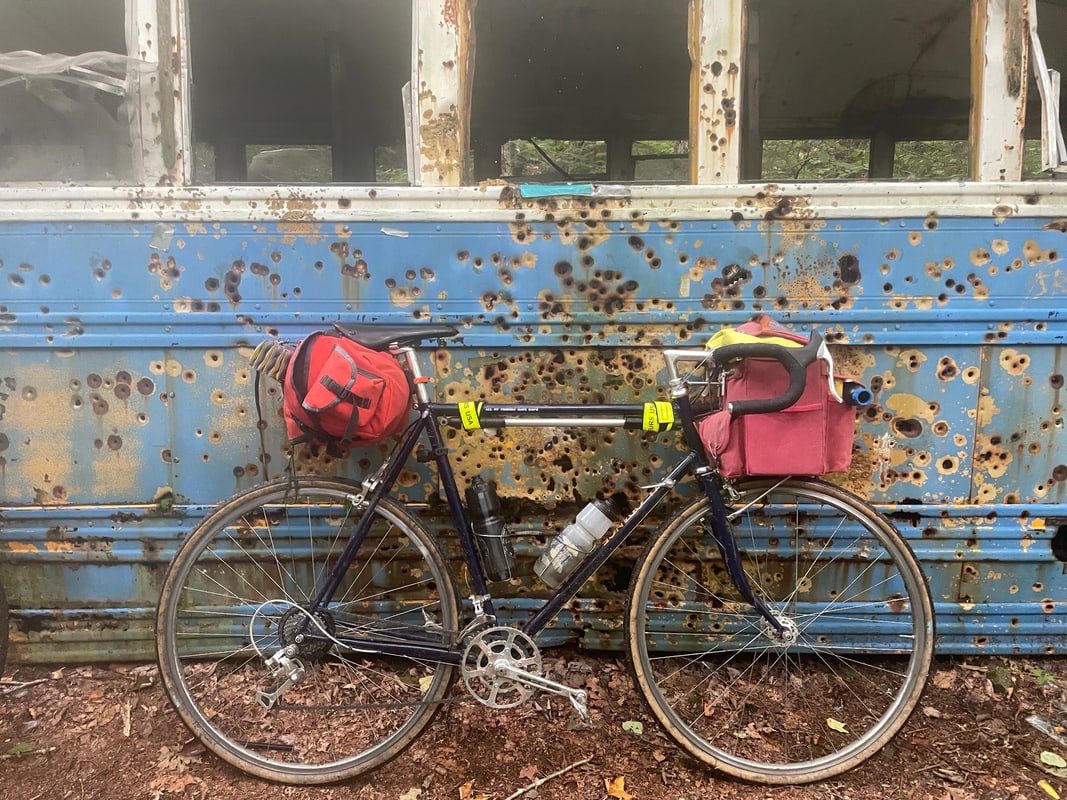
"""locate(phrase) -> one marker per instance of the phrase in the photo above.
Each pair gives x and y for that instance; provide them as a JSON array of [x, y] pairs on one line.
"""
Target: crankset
[[502, 667]]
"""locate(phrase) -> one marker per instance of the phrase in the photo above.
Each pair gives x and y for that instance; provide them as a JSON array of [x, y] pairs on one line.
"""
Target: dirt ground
[[108, 733]]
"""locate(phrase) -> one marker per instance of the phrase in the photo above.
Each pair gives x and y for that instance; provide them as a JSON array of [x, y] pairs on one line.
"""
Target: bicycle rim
[[239, 590], [791, 706]]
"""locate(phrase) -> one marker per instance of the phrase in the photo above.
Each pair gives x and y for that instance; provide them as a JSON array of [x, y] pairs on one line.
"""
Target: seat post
[[417, 378]]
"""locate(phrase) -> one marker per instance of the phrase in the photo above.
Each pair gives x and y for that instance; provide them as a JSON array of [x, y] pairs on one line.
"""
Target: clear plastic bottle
[[576, 541]]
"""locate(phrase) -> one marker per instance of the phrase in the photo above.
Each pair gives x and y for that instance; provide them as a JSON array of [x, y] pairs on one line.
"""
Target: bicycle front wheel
[[817, 697], [240, 591]]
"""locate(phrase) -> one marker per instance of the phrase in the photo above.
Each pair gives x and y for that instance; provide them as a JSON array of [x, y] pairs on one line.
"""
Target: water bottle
[[490, 532], [575, 542]]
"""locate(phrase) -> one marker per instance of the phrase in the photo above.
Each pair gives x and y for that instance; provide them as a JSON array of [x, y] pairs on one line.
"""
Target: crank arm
[[579, 697]]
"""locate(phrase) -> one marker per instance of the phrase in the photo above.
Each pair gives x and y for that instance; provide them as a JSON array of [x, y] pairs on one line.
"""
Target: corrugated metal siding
[[126, 402]]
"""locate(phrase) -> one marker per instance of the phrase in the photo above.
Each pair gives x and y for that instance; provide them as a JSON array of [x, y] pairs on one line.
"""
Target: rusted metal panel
[[128, 406]]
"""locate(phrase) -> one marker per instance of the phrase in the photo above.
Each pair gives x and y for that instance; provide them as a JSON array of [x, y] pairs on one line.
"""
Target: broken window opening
[[882, 74], [815, 159], [600, 77], [937, 160], [661, 161], [307, 92], [1045, 153], [554, 160], [67, 97]]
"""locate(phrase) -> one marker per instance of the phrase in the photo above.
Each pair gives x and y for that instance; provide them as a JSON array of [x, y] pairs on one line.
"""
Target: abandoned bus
[[576, 184]]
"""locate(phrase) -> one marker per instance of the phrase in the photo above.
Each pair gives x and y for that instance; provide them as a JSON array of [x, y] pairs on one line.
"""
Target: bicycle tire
[[234, 594], [4, 629], [789, 709]]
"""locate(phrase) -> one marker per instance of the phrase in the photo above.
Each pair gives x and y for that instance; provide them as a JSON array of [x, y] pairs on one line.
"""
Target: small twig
[[6, 687], [547, 778]]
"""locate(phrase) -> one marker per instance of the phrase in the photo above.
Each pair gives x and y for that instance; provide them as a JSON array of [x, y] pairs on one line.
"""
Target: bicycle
[[309, 628]]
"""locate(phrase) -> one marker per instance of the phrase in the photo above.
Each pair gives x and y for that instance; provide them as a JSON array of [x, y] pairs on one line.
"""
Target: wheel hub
[[296, 627]]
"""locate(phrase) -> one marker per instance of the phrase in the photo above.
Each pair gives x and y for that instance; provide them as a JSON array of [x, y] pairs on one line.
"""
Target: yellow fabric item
[[733, 336]]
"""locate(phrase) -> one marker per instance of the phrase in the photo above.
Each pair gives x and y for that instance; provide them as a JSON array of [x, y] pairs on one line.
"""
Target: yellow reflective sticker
[[658, 416], [468, 414]]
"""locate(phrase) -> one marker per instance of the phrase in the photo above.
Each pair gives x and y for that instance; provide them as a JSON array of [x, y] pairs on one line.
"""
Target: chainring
[[486, 652]]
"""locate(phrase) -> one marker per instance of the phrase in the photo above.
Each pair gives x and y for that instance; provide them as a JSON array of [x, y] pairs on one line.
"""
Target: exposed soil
[[97, 732]]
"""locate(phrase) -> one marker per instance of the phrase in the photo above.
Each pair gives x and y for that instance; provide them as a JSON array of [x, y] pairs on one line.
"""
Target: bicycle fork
[[783, 632]]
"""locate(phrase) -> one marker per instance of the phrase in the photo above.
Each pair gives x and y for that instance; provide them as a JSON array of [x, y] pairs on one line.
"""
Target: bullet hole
[[1056, 381], [259, 269], [29, 393], [947, 369], [76, 402], [463, 255], [729, 110], [637, 243], [275, 279], [319, 265], [114, 442], [166, 455], [146, 386], [232, 281], [1059, 473], [782, 209], [238, 472], [122, 391], [931, 222], [189, 376], [907, 428], [1059, 543], [100, 405], [848, 266]]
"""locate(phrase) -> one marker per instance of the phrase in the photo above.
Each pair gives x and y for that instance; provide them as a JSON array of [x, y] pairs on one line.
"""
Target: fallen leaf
[[424, 683], [946, 679], [633, 726], [529, 772], [466, 792], [617, 788], [836, 725], [1049, 790], [933, 713], [1053, 760], [411, 794], [659, 755]]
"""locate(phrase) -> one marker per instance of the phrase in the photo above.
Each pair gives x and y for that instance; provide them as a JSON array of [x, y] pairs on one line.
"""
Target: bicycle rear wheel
[[240, 589], [782, 707]]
